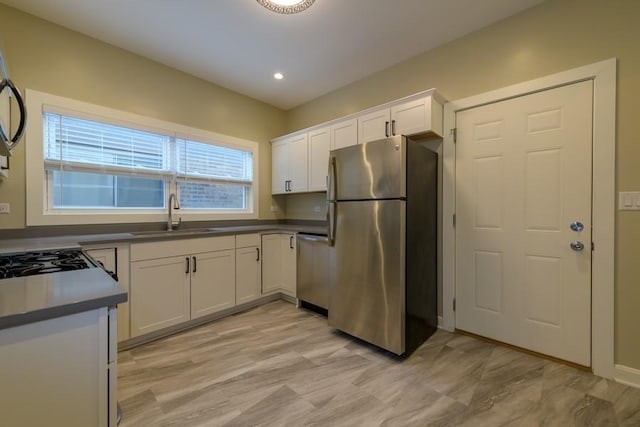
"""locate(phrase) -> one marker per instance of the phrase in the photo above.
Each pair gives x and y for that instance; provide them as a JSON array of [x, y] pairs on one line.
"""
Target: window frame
[[39, 212]]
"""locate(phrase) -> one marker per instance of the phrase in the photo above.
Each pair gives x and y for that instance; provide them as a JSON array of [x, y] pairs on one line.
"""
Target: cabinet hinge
[[593, 246], [454, 304], [454, 133], [454, 220]]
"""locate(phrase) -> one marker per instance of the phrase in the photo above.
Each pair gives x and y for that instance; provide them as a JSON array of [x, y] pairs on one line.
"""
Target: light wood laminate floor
[[277, 365]]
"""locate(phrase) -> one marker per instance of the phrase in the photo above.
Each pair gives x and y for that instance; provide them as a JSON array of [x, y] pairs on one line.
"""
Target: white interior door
[[523, 176]]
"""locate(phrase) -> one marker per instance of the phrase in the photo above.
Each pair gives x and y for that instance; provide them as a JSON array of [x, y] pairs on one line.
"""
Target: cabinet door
[[116, 259], [373, 126], [288, 251], [105, 256], [344, 134], [415, 117], [279, 167], [271, 263], [319, 145], [160, 294], [298, 153], [213, 282], [248, 274]]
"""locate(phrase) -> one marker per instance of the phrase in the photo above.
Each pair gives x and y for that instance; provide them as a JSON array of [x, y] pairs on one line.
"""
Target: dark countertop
[[46, 296], [35, 298], [36, 243]]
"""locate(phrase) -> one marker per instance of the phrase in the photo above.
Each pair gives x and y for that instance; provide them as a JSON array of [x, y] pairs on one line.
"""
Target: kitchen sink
[[172, 232]]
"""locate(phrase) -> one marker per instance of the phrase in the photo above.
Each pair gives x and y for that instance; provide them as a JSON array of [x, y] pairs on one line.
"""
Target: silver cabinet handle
[[577, 246], [393, 127], [195, 266], [386, 129], [577, 226], [290, 242], [257, 254], [186, 268]]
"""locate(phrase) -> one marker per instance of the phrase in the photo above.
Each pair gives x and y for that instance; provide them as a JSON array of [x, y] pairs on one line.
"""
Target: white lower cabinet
[[213, 282], [160, 294], [279, 263], [271, 263], [169, 290], [57, 372], [288, 247], [115, 258], [248, 274]]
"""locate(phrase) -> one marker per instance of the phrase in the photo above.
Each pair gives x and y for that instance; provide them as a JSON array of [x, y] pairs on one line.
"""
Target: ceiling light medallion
[[286, 6]]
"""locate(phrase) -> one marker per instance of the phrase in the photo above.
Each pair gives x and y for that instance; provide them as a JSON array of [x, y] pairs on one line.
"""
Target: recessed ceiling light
[[286, 6], [278, 76]]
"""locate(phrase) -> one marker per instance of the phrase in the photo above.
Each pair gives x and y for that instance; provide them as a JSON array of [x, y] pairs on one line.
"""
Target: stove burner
[[42, 262]]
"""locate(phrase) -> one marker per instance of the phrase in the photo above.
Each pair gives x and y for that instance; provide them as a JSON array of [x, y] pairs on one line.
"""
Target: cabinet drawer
[[247, 240], [169, 248]]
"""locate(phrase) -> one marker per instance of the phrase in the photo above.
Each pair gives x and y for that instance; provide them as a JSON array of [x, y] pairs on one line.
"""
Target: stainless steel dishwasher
[[313, 270]]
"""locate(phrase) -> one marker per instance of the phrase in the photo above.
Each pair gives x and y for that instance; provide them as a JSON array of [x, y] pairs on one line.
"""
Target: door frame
[[603, 75]]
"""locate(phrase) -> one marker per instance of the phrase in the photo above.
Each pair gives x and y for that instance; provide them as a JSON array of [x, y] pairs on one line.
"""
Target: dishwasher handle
[[313, 238]]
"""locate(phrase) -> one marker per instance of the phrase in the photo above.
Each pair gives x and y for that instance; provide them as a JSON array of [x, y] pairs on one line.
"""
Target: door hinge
[[454, 133], [454, 220], [454, 304]]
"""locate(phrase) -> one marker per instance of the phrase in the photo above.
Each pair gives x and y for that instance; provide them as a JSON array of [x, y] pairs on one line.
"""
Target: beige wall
[[555, 36], [43, 56]]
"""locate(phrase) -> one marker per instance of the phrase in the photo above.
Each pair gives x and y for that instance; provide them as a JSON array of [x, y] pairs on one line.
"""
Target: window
[[101, 166], [209, 175]]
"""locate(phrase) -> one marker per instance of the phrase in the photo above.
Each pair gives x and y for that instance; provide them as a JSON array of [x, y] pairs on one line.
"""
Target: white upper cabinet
[[319, 146], [300, 161], [321, 142], [407, 118], [289, 165], [414, 117], [373, 126], [279, 167], [344, 134]]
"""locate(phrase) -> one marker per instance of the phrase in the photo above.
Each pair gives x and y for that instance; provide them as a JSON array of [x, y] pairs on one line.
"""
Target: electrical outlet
[[4, 208], [317, 209]]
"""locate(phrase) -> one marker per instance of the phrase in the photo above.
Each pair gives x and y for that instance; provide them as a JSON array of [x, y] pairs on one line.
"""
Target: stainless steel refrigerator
[[382, 205]]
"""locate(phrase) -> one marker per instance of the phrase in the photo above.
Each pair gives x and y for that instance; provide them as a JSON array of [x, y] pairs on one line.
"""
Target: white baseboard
[[440, 322], [627, 376]]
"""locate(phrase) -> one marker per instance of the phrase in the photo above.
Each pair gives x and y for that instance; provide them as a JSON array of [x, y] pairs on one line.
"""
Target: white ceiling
[[239, 44]]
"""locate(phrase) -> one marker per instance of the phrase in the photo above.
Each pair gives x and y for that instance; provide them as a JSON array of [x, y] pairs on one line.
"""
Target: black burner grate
[[42, 262]]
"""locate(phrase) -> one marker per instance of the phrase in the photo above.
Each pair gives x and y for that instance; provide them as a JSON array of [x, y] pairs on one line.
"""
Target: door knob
[[577, 226], [577, 246]]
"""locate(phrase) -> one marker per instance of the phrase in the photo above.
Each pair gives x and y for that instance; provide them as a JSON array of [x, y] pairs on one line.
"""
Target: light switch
[[629, 201]]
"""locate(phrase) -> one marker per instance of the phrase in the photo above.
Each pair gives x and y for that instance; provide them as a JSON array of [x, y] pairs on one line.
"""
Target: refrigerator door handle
[[331, 213], [331, 197], [331, 180]]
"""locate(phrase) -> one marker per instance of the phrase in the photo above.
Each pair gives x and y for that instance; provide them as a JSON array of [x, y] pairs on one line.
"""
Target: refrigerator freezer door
[[375, 170], [368, 294]]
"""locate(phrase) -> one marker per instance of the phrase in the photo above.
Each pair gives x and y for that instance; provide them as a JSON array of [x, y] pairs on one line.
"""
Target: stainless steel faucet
[[174, 203]]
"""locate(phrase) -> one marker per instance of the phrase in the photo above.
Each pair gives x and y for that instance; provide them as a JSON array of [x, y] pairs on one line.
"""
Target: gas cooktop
[[42, 262]]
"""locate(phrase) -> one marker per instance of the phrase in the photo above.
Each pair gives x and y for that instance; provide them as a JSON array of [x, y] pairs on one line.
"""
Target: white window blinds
[[199, 161], [82, 145]]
